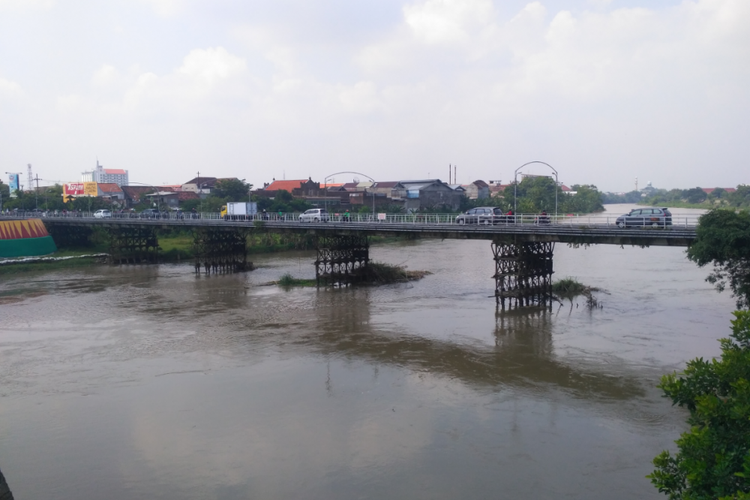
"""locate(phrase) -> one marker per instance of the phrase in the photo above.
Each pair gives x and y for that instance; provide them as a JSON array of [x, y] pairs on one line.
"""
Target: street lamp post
[[325, 181], [515, 185]]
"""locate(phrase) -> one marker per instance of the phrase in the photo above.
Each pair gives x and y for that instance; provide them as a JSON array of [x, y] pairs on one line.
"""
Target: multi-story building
[[106, 175]]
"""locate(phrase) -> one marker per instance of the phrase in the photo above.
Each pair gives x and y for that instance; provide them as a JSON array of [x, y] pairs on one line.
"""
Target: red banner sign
[[73, 188]]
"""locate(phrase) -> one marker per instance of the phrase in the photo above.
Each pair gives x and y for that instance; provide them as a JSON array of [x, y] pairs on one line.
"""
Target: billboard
[[90, 189], [73, 188], [13, 184]]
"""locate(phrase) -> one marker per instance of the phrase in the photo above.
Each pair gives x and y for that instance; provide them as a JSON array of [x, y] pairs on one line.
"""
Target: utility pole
[[36, 191]]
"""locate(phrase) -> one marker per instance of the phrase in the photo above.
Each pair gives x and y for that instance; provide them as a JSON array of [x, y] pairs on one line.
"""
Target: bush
[[713, 460]]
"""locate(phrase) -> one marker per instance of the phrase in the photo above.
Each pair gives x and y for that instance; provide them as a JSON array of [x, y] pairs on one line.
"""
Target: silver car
[[481, 215], [641, 217], [314, 215], [103, 214]]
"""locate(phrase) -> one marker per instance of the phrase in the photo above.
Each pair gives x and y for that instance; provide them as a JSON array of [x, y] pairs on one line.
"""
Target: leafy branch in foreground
[[723, 238], [713, 460]]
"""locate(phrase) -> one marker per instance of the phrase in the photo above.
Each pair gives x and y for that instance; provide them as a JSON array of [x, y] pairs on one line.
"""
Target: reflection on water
[[153, 382]]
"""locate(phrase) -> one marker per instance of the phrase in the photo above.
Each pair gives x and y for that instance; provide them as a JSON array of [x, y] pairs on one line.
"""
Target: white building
[[106, 175]]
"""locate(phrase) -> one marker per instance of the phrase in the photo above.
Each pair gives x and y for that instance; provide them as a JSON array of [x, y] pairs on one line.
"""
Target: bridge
[[522, 248]]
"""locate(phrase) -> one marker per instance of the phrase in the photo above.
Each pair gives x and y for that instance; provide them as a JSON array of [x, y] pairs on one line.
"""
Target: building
[[110, 191], [426, 194], [477, 190], [106, 175], [200, 185]]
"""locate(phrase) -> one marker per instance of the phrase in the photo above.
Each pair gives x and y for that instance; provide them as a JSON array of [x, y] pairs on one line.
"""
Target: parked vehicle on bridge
[[314, 215], [150, 213], [239, 210], [482, 215], [103, 214], [643, 217]]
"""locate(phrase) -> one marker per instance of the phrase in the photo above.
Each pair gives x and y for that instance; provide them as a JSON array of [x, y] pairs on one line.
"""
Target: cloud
[[105, 75], [447, 21], [26, 5], [212, 65], [9, 89], [449, 81], [165, 8]]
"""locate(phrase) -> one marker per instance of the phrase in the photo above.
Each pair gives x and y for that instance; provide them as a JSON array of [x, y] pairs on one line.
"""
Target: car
[[314, 215], [150, 213], [647, 216], [103, 214], [482, 215]]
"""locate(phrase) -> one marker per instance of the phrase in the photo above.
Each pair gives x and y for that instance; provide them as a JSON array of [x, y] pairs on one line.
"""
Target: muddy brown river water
[[152, 382]]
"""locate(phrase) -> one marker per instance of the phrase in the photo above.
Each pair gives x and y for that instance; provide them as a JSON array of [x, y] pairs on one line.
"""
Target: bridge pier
[[70, 236], [523, 273], [133, 245], [218, 250], [341, 260]]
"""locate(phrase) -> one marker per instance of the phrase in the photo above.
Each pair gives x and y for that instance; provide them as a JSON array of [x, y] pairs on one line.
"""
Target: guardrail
[[579, 221]]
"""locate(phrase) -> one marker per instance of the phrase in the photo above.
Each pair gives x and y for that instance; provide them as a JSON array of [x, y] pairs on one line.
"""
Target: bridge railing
[[518, 220]]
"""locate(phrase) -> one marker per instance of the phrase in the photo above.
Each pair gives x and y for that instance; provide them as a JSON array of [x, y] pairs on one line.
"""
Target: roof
[[115, 171], [109, 187], [457, 187], [187, 195], [285, 185], [134, 192], [209, 181], [386, 184], [565, 188], [711, 190]]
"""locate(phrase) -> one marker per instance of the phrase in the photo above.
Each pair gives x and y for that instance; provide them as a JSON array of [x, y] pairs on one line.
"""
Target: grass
[[378, 273], [287, 280], [85, 260], [569, 287]]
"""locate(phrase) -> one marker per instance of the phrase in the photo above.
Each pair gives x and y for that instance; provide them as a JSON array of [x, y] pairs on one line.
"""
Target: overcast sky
[[603, 90]]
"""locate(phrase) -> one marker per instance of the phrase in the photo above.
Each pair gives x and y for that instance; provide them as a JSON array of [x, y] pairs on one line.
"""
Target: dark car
[[150, 213], [481, 215], [646, 217]]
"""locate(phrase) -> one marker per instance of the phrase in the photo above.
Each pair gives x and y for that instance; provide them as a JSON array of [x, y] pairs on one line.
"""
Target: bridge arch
[[515, 183], [325, 182]]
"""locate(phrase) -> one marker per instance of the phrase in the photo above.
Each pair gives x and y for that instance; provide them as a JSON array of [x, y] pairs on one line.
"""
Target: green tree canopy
[[587, 199], [723, 239], [713, 460], [231, 190]]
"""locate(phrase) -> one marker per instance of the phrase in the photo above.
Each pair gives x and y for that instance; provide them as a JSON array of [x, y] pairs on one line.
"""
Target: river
[[152, 382]]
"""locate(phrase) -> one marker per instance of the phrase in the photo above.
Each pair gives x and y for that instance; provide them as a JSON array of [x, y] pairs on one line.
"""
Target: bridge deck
[[583, 233]]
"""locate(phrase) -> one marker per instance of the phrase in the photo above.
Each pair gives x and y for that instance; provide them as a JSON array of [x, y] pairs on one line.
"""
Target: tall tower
[[31, 177]]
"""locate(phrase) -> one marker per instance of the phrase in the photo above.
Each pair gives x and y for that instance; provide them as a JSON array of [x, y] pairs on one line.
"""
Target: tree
[[723, 238], [695, 195], [231, 189], [534, 194], [587, 199], [713, 460]]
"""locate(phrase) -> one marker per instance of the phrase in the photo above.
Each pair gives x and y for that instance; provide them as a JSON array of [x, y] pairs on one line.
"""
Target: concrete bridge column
[[523, 273], [341, 260], [220, 250], [133, 245]]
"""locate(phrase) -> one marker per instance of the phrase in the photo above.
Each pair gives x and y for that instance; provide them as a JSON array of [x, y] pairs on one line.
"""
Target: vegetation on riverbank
[[723, 239], [568, 288], [59, 260], [378, 273], [713, 456]]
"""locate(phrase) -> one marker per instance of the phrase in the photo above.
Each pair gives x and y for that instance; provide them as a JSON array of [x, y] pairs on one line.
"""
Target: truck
[[239, 210]]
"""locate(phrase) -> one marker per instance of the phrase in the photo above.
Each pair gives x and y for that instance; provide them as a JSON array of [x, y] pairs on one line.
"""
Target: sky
[[604, 91]]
